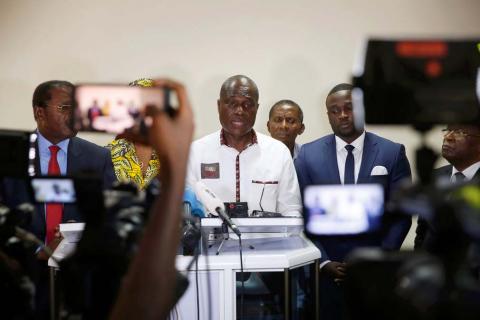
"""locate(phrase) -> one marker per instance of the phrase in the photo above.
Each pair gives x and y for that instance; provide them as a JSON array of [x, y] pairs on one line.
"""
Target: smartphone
[[53, 190], [116, 108], [343, 209]]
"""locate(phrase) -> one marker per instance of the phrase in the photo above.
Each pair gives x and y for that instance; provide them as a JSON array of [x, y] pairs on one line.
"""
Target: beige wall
[[292, 49]]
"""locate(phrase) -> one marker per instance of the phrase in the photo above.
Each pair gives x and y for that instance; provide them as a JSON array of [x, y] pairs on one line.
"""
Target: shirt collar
[[468, 172], [357, 143], [296, 150], [43, 144], [223, 140]]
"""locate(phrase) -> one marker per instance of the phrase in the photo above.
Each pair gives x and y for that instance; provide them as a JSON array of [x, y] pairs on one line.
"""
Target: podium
[[270, 245]]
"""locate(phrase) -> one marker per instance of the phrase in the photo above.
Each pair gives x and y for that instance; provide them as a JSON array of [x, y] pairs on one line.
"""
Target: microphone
[[192, 210], [192, 206], [214, 205]]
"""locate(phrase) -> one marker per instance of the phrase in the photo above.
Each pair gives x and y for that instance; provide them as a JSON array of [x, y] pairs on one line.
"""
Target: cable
[[241, 275], [261, 197], [209, 290], [196, 287]]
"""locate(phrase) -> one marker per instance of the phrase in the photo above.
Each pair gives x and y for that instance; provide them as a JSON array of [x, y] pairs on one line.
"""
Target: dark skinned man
[[241, 165], [461, 148], [351, 156], [59, 152], [285, 123]]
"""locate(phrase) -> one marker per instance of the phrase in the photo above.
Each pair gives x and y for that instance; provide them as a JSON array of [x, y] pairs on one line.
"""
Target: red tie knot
[[54, 149]]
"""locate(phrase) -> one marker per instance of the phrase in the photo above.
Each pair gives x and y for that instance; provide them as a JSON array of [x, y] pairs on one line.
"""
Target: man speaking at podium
[[241, 165]]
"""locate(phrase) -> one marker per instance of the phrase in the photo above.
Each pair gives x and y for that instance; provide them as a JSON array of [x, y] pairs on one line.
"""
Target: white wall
[[292, 49]]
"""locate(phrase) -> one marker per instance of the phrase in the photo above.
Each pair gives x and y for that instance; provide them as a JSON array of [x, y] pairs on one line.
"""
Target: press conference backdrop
[[296, 50]]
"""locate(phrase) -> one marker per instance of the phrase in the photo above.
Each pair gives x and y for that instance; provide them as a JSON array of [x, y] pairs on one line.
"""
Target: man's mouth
[[447, 147], [238, 122]]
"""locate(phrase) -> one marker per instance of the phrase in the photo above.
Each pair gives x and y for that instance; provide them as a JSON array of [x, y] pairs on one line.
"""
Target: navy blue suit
[[317, 165], [82, 156]]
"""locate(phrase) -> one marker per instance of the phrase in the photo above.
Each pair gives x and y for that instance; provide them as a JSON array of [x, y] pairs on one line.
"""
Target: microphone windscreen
[[196, 206], [189, 197]]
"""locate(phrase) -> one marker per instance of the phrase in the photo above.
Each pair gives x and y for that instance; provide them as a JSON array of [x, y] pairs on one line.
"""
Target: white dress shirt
[[342, 155], [44, 153], [296, 150], [266, 165], [468, 172]]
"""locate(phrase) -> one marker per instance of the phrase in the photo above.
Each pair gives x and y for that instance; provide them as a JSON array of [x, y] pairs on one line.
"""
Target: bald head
[[239, 85]]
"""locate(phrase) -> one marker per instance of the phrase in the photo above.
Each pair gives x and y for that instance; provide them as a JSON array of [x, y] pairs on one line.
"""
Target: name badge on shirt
[[210, 170]]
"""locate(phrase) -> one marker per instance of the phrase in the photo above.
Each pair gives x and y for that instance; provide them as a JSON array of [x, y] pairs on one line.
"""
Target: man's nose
[[343, 114], [238, 109], [450, 135]]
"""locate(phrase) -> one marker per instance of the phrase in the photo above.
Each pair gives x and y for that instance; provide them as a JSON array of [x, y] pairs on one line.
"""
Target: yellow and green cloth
[[127, 166]]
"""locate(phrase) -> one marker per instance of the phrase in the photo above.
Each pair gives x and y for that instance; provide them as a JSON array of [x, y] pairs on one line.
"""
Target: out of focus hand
[[336, 270], [41, 255], [171, 136]]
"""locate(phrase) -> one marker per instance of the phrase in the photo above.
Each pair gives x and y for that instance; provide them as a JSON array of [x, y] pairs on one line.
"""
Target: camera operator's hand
[[171, 135], [153, 267], [335, 270]]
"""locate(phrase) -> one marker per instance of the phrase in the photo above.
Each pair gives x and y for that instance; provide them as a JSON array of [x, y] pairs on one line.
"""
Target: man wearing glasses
[[241, 165], [59, 152], [461, 148]]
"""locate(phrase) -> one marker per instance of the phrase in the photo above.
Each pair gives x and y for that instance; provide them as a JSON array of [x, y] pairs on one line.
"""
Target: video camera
[[417, 82], [114, 218], [420, 83]]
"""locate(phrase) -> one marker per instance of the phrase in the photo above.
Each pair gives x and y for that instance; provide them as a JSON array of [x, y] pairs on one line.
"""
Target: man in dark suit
[[59, 152], [461, 148], [53, 112], [350, 156]]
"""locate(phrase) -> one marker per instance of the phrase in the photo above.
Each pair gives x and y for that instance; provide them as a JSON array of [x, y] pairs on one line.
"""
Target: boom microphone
[[214, 205]]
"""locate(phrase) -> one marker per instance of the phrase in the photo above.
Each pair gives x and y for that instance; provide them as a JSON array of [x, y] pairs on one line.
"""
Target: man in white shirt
[[241, 165], [285, 123]]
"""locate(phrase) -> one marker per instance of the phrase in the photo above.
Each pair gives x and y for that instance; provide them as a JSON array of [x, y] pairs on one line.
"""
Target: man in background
[[59, 153], [351, 156], [285, 123], [461, 148]]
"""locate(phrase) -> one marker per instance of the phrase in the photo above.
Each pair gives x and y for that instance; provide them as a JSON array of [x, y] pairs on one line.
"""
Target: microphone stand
[[225, 237]]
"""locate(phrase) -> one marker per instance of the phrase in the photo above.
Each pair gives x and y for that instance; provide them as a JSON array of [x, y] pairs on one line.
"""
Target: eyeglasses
[[460, 133], [62, 107]]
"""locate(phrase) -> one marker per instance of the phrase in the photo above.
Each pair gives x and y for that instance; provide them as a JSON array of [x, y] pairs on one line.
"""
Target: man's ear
[[38, 113], [268, 126], [302, 129], [218, 105]]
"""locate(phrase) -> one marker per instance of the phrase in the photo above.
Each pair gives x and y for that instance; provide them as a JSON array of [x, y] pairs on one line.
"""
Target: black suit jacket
[[425, 234], [82, 156]]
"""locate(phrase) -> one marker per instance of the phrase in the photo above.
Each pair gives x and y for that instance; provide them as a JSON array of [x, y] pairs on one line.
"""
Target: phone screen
[[114, 108], [343, 209], [53, 190]]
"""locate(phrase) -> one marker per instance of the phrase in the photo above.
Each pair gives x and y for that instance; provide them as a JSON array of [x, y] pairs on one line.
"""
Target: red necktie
[[54, 210]]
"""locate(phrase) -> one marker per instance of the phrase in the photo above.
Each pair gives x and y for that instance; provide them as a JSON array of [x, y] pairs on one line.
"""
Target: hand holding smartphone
[[117, 108]]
